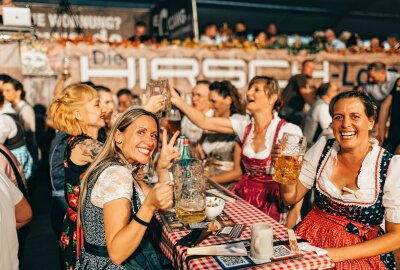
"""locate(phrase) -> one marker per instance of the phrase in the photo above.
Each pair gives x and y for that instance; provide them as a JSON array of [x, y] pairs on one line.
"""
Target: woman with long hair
[[76, 112], [115, 205], [356, 184], [258, 133], [223, 150]]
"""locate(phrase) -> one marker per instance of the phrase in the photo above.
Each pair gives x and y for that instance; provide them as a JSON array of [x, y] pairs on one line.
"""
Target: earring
[[370, 128]]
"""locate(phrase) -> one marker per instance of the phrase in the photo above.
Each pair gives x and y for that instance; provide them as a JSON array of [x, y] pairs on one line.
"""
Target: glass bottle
[[186, 152]]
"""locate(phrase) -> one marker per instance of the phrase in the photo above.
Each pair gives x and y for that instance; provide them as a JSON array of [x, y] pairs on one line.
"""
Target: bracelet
[[140, 221]]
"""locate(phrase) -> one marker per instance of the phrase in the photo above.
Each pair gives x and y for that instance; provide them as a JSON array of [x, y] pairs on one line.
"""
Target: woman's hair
[[271, 87], [227, 89], [17, 85], [370, 108], [323, 89], [62, 109], [110, 151], [101, 88]]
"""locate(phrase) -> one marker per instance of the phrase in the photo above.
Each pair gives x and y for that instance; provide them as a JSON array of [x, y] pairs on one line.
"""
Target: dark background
[[369, 18]]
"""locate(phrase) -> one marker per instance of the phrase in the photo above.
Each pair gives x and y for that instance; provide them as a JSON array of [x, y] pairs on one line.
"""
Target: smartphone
[[194, 237]]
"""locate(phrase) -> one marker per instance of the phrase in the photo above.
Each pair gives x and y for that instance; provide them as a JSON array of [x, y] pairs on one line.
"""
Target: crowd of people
[[320, 40], [102, 203], [270, 38]]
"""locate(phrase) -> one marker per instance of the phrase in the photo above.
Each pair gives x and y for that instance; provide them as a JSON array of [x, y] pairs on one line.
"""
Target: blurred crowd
[[321, 40]]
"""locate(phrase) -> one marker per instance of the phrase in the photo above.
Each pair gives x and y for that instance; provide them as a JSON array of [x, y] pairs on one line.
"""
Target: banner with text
[[105, 24], [129, 67], [119, 67], [173, 19]]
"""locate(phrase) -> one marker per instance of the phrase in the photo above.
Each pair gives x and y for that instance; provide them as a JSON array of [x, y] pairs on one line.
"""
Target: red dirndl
[[256, 186]]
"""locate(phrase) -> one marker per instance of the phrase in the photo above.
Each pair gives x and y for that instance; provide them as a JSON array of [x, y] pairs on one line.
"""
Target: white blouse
[[115, 182], [240, 122], [367, 181]]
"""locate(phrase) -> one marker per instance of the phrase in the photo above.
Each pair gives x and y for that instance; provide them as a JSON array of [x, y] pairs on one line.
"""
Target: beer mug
[[288, 166], [189, 190], [159, 87], [261, 244]]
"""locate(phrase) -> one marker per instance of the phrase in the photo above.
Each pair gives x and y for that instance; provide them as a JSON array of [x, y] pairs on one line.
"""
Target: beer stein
[[189, 190], [261, 244], [159, 87], [288, 166]]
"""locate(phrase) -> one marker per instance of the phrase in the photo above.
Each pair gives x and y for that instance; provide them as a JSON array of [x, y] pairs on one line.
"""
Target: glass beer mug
[[288, 166], [159, 87], [189, 190]]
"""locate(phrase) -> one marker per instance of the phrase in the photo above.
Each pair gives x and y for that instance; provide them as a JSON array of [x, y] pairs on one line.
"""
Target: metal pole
[[195, 21]]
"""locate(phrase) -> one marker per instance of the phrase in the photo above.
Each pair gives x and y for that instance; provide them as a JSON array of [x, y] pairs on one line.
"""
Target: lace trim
[[332, 153]]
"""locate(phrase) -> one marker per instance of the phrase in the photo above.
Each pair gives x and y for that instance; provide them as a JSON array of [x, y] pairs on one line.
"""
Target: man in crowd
[[140, 34], [209, 35], [297, 93], [380, 82], [200, 95], [15, 212], [391, 106], [241, 31], [272, 32], [375, 45], [332, 41], [394, 42], [125, 99]]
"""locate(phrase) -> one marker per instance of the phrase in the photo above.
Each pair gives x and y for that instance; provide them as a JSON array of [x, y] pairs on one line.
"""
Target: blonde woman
[[116, 206], [76, 112]]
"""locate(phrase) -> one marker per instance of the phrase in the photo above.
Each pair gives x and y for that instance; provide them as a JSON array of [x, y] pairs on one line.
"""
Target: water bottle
[[180, 142], [186, 153]]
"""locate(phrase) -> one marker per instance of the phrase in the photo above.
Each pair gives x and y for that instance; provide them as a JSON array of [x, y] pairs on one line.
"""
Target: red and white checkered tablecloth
[[240, 212]]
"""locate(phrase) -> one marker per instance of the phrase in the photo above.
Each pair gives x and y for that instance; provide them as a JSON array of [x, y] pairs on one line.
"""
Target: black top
[[19, 139], [393, 139], [291, 94]]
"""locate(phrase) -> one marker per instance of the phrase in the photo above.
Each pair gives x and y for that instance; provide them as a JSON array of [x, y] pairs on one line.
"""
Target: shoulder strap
[[278, 128], [384, 165], [246, 132], [20, 183], [327, 147]]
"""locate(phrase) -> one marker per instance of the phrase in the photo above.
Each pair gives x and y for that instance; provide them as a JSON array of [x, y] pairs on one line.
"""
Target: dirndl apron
[[256, 185]]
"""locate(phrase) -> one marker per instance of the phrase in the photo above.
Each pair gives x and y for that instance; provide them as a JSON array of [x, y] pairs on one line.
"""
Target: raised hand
[[276, 153], [154, 104], [168, 152], [160, 196], [175, 98]]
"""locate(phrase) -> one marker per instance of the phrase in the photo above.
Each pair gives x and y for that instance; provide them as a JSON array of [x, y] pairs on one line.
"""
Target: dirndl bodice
[[256, 185], [334, 223]]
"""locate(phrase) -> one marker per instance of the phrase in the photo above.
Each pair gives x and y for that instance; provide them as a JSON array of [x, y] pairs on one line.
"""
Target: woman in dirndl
[[356, 185], [258, 133]]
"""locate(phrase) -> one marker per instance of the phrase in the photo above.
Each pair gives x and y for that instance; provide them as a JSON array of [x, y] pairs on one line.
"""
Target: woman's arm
[[59, 86], [380, 245], [124, 236], [383, 117], [23, 213], [85, 151], [234, 174], [293, 215], [216, 124]]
